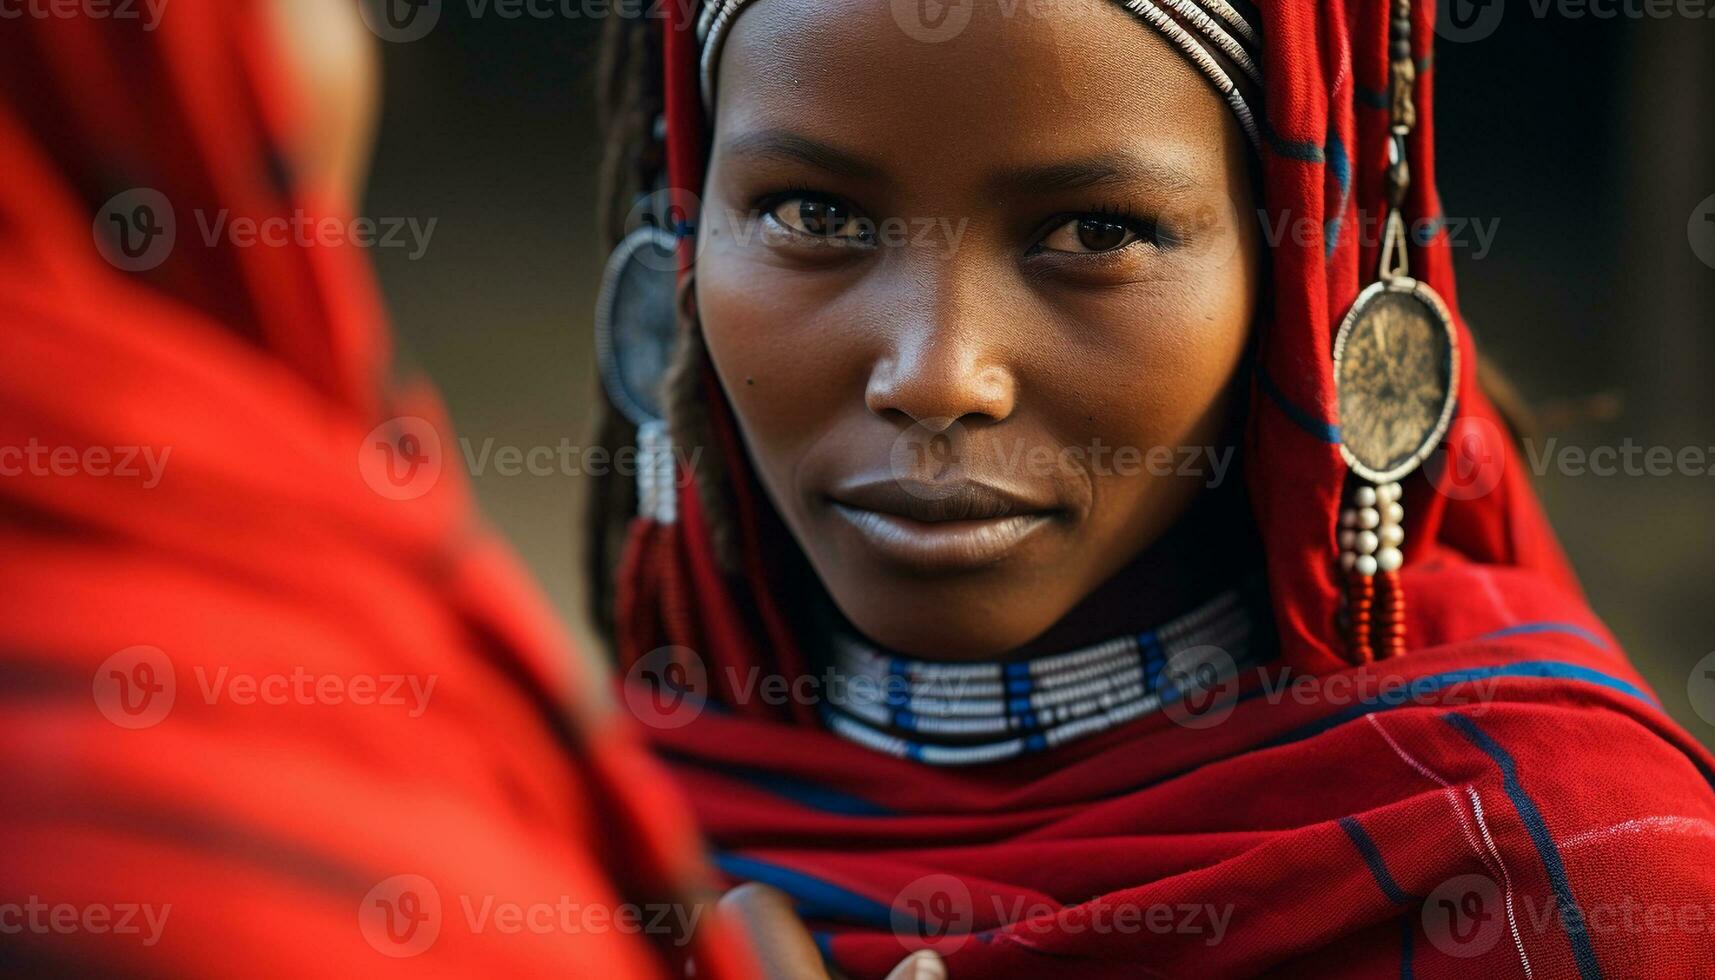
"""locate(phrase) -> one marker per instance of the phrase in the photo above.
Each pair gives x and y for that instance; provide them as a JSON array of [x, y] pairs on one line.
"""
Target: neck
[[1211, 549]]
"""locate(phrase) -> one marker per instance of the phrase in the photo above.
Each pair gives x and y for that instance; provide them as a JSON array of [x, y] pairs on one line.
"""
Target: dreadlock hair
[[627, 90], [633, 162]]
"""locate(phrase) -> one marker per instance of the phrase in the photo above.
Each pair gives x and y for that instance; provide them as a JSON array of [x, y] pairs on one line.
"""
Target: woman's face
[[975, 302]]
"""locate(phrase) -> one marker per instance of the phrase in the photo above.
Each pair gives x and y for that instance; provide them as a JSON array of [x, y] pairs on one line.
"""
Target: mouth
[[939, 528]]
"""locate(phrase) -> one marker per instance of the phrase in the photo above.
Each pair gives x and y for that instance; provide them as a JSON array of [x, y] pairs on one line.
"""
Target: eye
[[1092, 233], [819, 217]]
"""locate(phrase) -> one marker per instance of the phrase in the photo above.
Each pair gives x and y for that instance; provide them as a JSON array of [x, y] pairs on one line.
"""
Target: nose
[[945, 362]]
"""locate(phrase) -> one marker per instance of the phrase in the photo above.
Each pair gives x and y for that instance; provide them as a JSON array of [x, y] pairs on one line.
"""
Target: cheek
[[772, 357], [1157, 360], [1159, 396]]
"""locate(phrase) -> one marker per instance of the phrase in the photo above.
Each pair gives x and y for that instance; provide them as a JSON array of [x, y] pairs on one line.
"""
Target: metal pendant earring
[[1396, 372], [636, 327]]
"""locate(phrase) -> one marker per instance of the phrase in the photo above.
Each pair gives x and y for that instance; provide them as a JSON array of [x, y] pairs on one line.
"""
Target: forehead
[[997, 79]]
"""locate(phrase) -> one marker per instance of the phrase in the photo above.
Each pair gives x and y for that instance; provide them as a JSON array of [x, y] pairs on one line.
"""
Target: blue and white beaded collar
[[968, 714]]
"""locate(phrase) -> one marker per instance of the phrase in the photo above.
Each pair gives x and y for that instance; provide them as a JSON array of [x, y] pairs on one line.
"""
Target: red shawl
[[267, 708], [1507, 799]]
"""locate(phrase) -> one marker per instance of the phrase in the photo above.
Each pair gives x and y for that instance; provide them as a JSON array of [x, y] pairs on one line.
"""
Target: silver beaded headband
[[1206, 31]]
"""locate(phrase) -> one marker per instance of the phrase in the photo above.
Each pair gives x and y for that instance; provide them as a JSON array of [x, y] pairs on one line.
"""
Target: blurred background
[[1578, 151]]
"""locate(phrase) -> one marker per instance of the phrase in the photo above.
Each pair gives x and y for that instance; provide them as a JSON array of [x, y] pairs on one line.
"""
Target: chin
[[923, 621]]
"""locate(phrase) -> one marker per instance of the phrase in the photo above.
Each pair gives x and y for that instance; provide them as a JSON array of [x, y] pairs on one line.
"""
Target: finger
[[783, 945], [924, 964]]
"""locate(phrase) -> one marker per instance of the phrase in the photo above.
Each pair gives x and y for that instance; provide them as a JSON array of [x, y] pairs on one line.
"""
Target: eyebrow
[[1069, 175], [781, 144], [1099, 171]]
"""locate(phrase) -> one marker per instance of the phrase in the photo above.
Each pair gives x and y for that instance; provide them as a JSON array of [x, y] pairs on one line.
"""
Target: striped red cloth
[[1505, 800], [272, 701]]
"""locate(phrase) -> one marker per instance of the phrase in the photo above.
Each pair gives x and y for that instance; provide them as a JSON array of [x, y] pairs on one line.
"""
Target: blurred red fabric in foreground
[[272, 703]]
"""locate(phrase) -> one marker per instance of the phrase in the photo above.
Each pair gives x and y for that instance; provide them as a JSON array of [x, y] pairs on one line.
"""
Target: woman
[[272, 706], [1043, 711]]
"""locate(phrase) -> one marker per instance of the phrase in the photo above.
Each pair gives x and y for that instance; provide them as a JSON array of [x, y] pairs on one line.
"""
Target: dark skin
[[934, 293], [1073, 263]]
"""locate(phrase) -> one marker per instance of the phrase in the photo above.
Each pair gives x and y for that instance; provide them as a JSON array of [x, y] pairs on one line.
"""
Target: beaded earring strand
[[1396, 370]]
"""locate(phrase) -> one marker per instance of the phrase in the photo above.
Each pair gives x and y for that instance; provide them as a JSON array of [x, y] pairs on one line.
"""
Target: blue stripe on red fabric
[[1384, 880], [1570, 629], [1340, 165], [1303, 151], [1413, 691], [813, 897], [1571, 916], [1323, 430], [1373, 857]]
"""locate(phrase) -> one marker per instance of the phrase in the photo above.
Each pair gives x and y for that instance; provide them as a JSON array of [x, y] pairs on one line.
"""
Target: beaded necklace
[[967, 714]]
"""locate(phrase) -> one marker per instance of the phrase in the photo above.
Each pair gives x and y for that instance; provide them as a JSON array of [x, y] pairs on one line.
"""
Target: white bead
[[1393, 535], [1366, 565], [1389, 559], [1348, 540], [1348, 561], [1365, 497], [1348, 518], [1368, 542], [1395, 514], [1368, 518], [1388, 492]]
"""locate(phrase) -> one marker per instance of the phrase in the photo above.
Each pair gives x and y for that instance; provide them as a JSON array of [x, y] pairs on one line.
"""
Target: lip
[[941, 527]]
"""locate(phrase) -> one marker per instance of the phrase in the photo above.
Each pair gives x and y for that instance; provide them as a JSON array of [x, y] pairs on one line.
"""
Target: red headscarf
[[270, 707], [1490, 804]]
